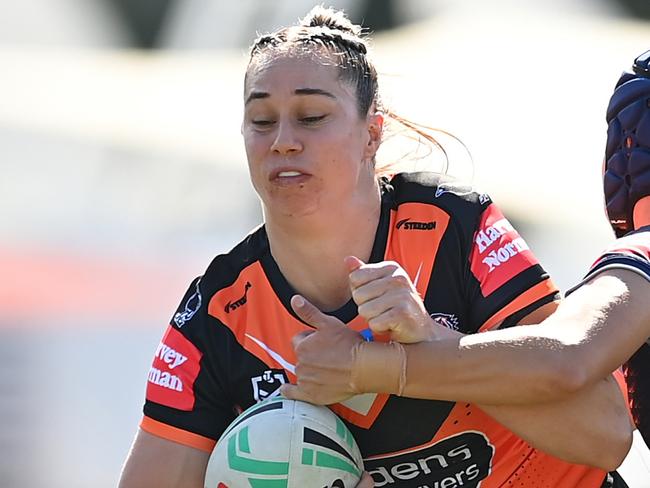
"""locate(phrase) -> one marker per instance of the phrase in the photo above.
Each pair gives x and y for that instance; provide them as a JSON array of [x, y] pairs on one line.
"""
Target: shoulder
[[434, 188], [223, 272], [225, 268], [464, 206]]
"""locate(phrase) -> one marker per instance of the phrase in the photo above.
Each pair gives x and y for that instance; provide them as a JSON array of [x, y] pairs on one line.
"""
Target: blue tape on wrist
[[367, 335]]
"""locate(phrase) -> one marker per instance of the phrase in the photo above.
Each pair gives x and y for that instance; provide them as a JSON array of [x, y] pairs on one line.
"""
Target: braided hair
[[340, 39], [325, 31]]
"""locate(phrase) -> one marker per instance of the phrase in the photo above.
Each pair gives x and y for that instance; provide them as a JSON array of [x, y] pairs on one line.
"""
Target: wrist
[[378, 367]]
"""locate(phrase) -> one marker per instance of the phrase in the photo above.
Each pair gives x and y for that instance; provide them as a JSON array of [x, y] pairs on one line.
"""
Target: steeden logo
[[231, 306], [407, 224]]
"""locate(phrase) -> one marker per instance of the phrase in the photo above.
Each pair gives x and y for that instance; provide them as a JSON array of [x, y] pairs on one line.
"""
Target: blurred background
[[122, 173]]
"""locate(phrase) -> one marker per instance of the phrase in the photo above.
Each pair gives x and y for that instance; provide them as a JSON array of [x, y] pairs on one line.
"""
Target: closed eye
[[263, 123], [312, 120]]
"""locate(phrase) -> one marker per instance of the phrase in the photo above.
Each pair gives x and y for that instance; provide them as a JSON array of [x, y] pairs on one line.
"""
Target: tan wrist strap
[[378, 367]]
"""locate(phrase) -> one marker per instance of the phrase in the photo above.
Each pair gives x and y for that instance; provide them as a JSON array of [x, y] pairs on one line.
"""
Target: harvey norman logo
[[172, 359], [493, 233]]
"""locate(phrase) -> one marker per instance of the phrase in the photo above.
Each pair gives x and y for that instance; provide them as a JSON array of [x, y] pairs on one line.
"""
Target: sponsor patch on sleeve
[[174, 371], [499, 253]]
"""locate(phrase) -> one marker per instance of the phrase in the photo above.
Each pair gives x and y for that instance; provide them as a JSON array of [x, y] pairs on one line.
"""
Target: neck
[[309, 250], [641, 215]]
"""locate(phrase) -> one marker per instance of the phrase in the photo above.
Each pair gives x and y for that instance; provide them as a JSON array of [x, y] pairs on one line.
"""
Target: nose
[[286, 141]]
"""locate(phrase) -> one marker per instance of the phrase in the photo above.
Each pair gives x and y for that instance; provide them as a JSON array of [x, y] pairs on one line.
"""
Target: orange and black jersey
[[632, 252], [229, 344]]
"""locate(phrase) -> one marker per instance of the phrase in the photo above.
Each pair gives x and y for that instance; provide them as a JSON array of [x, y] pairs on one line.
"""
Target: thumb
[[307, 312], [292, 392], [353, 262]]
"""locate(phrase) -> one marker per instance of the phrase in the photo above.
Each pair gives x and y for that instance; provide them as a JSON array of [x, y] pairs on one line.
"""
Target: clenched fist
[[388, 300]]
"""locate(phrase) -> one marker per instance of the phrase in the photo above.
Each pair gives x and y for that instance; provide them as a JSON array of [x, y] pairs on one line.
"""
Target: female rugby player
[[312, 127]]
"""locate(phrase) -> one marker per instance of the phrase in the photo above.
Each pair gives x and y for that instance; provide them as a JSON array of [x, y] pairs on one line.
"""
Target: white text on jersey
[[170, 356]]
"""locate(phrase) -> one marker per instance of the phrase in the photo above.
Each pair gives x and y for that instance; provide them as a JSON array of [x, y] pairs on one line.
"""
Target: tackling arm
[[592, 333]]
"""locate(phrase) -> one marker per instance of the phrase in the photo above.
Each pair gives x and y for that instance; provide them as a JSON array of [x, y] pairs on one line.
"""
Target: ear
[[375, 131]]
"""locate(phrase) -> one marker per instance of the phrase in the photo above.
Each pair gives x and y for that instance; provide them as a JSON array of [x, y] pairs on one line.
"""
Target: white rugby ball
[[284, 443]]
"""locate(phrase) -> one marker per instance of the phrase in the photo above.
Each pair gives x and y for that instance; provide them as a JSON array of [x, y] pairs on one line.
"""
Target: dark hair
[[343, 40]]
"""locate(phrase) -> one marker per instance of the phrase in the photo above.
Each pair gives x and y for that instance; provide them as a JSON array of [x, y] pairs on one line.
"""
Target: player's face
[[308, 149]]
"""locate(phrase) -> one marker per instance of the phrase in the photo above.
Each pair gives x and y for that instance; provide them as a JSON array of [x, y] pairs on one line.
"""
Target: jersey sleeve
[[185, 400], [505, 280], [631, 252]]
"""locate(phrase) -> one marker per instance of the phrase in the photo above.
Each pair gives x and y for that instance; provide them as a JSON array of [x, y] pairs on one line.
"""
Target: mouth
[[288, 175]]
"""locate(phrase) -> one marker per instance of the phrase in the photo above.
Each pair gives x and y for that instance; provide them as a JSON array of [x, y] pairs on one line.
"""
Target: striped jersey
[[228, 345]]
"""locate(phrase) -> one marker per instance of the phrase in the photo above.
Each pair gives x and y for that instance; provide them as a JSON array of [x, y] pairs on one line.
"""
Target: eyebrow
[[298, 91], [314, 91]]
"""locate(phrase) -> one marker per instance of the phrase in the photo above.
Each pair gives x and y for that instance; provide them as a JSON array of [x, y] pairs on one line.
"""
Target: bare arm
[[593, 332], [590, 427], [154, 462], [574, 429]]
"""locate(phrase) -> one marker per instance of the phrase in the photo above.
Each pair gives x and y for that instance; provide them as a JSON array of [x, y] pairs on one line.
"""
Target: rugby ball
[[284, 443]]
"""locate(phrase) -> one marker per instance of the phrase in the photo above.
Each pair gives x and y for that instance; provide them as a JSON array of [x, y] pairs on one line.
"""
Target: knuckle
[[358, 295], [377, 324], [395, 313], [298, 371], [393, 266], [364, 310], [309, 314], [401, 280], [358, 274]]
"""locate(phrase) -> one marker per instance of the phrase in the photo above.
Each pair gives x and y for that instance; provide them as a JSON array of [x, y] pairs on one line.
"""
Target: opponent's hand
[[366, 481], [325, 357], [389, 302]]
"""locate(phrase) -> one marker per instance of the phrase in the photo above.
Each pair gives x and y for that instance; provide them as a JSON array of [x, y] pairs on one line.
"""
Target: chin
[[294, 207]]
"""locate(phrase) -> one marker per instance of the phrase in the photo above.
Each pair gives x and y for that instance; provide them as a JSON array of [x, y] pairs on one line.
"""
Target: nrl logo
[[268, 383], [191, 307]]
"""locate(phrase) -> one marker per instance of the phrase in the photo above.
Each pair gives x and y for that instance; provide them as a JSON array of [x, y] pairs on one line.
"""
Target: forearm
[[501, 368], [591, 426], [593, 331], [573, 429]]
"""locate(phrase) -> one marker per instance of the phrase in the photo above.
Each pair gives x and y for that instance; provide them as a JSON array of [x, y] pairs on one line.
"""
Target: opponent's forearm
[[504, 368], [458, 369], [590, 427], [574, 428], [594, 330]]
